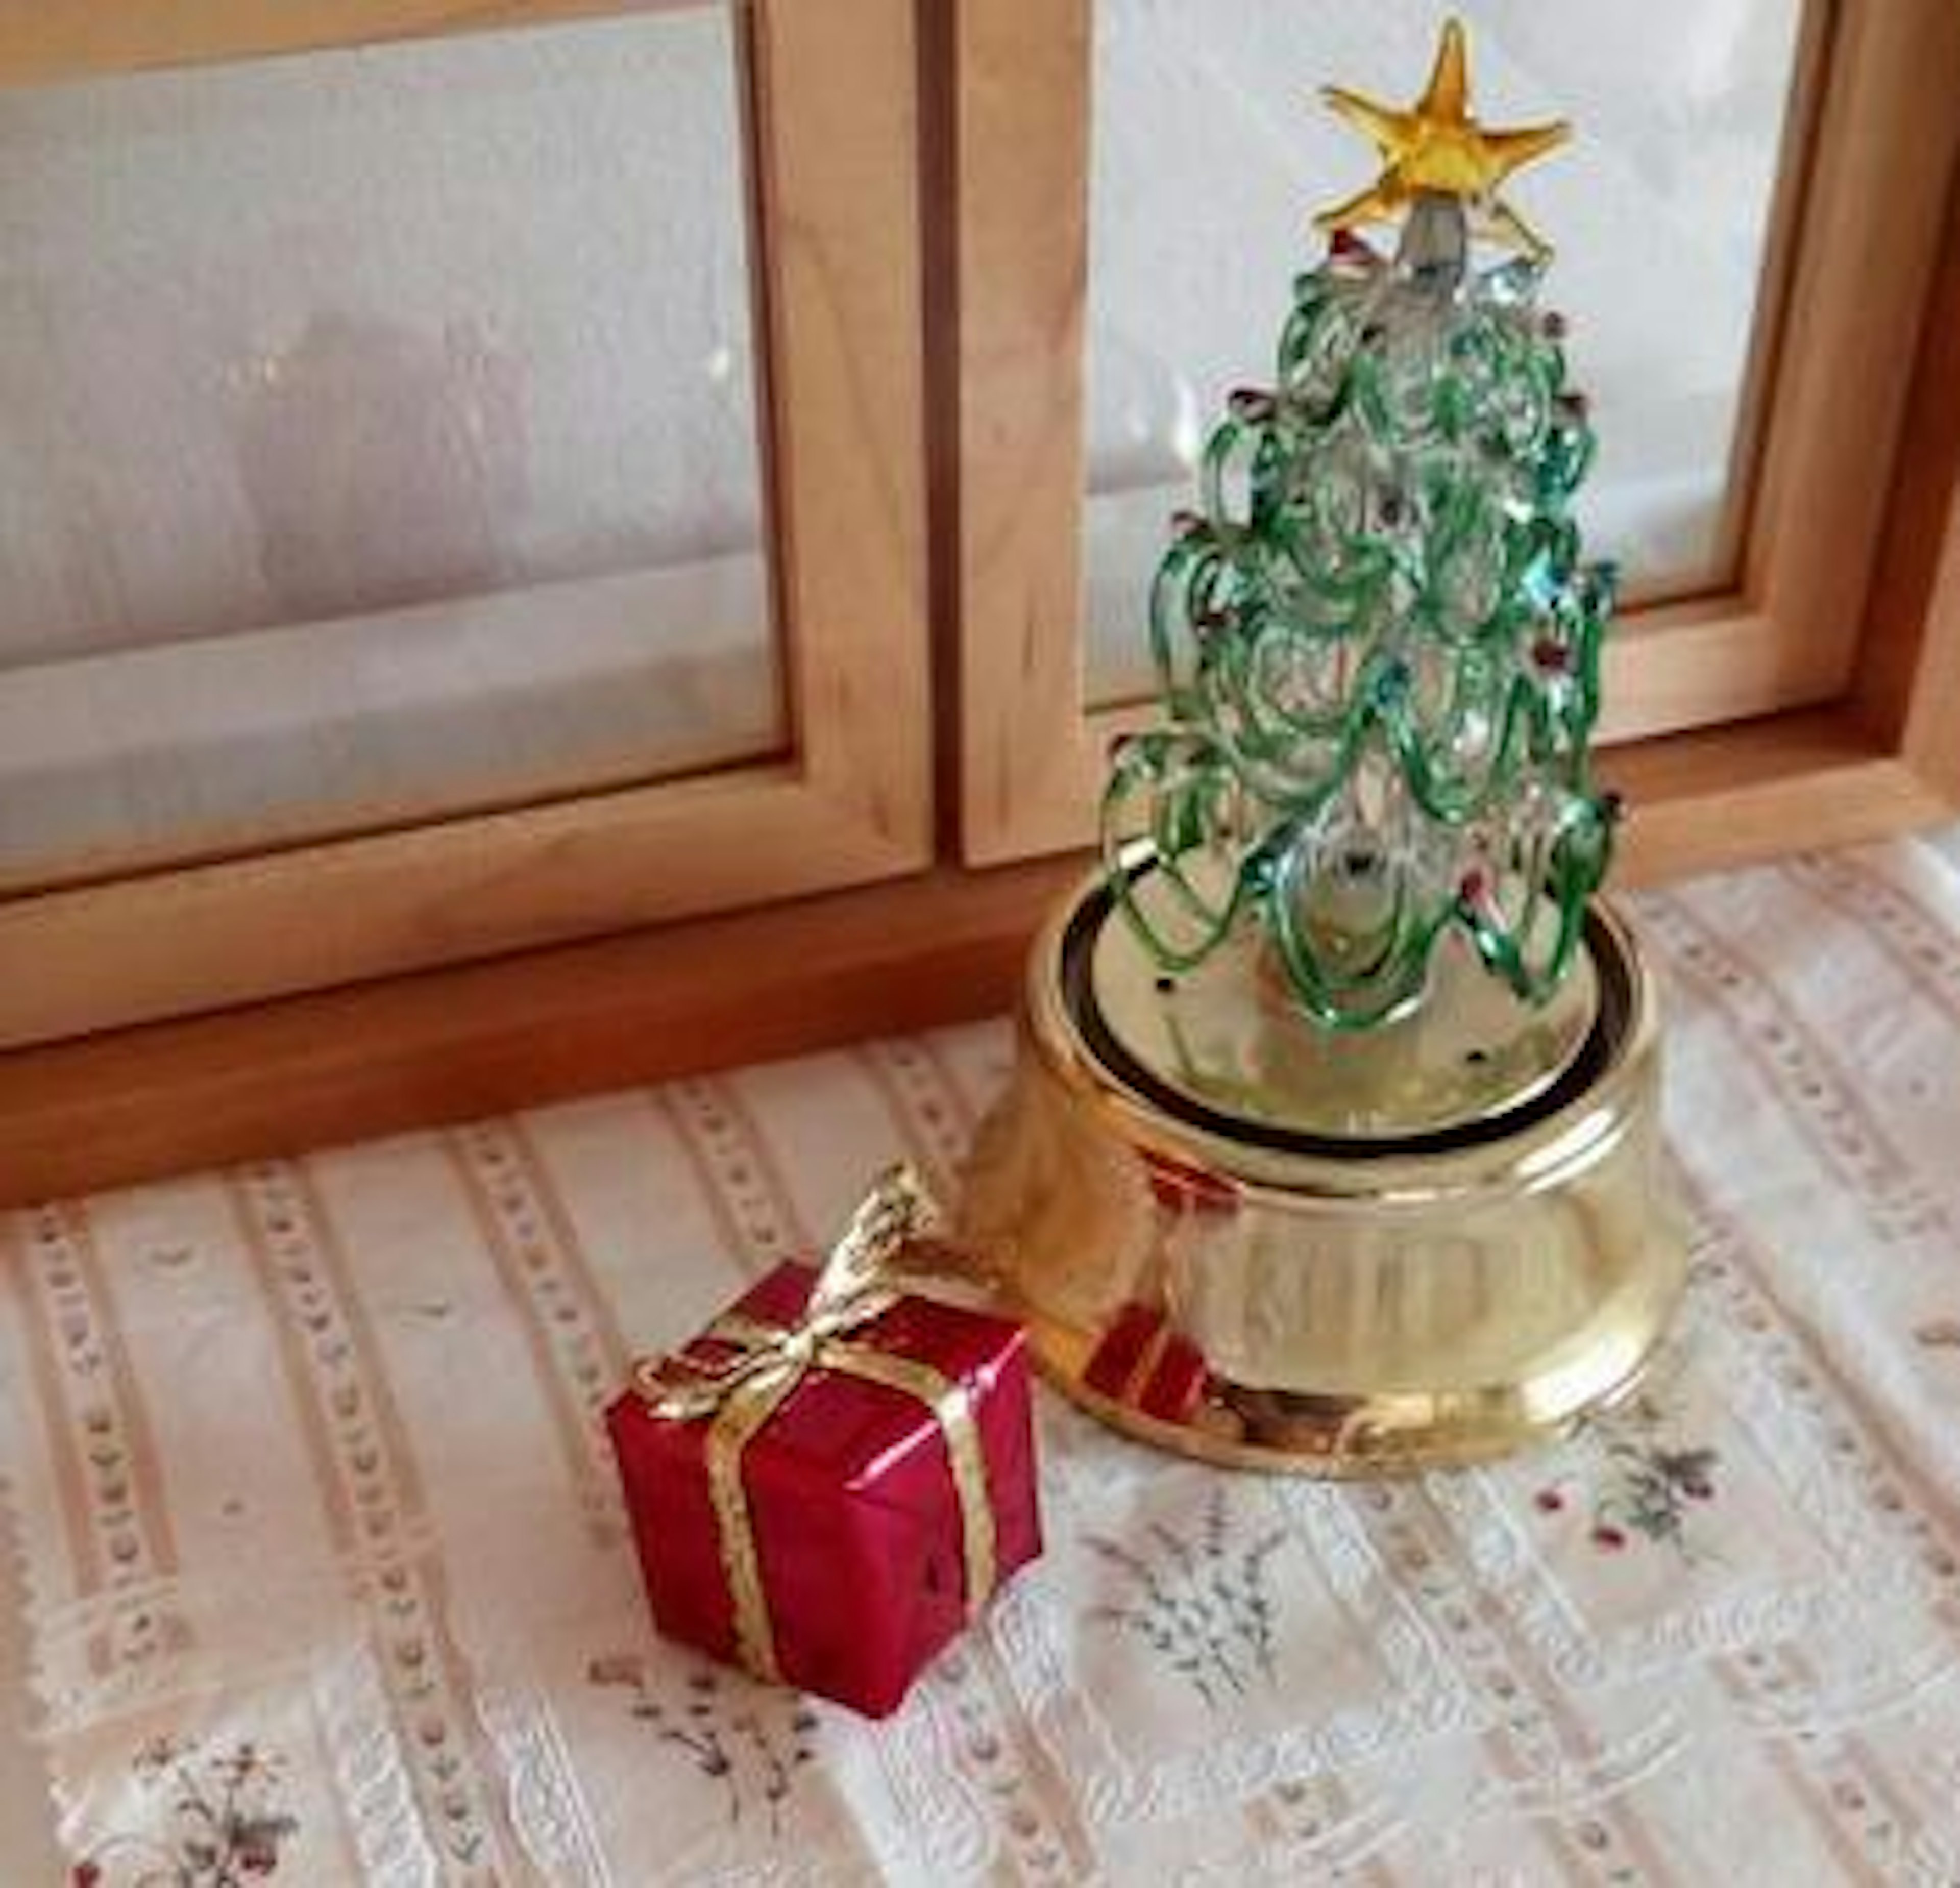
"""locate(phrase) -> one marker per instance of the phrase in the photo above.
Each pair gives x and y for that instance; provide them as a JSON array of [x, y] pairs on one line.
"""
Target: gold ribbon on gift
[[768, 1362]]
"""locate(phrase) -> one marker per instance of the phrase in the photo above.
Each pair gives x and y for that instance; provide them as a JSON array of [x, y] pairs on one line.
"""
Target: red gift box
[[827, 1497]]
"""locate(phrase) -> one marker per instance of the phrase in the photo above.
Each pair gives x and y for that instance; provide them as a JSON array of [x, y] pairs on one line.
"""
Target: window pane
[[378, 439], [1211, 151]]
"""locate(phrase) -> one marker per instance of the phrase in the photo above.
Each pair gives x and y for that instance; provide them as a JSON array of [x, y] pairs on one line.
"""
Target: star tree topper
[[1437, 146]]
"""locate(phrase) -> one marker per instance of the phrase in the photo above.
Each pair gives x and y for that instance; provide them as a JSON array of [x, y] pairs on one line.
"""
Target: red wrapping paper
[[1142, 1362], [857, 1527]]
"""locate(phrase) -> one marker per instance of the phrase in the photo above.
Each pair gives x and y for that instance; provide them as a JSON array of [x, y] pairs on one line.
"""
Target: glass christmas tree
[[1377, 641], [1340, 1149]]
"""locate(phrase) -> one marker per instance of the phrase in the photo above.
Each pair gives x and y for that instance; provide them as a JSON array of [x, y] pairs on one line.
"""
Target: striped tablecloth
[[317, 1569]]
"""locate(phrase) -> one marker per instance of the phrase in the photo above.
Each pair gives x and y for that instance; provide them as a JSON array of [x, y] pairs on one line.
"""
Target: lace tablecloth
[[319, 1573]]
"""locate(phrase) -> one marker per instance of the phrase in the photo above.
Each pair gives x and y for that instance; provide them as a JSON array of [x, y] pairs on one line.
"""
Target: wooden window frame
[[446, 1044], [1757, 688], [834, 134]]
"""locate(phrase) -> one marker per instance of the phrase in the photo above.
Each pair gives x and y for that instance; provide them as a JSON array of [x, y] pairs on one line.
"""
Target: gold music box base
[[1239, 1238]]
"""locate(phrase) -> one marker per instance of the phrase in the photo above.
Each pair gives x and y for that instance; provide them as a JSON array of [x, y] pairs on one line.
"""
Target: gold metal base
[[1203, 1265]]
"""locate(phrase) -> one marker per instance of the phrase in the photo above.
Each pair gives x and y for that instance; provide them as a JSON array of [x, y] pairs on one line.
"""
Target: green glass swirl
[[1378, 650]]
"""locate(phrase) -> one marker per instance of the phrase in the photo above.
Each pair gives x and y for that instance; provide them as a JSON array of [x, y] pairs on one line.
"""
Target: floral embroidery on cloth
[[1199, 1600], [747, 1739], [1638, 1482], [1713, 1636], [218, 1822]]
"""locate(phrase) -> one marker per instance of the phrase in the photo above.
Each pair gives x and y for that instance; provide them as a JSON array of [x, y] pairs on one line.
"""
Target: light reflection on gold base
[[1213, 1282]]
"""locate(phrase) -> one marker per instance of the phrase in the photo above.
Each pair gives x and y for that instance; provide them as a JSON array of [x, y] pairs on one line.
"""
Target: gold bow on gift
[[768, 1362]]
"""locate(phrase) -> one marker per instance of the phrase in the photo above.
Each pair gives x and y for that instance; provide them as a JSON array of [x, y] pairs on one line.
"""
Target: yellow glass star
[[1437, 145]]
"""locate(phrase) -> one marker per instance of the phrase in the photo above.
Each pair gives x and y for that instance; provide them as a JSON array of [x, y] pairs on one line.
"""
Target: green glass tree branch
[[1378, 647]]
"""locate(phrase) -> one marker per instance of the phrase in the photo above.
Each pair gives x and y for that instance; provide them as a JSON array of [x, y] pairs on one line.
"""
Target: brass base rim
[[1333, 1461], [1208, 1293]]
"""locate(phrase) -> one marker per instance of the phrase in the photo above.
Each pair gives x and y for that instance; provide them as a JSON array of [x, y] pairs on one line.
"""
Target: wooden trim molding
[[710, 992], [1029, 769], [97, 956], [835, 133], [1836, 368], [1907, 684], [1887, 152], [42, 43]]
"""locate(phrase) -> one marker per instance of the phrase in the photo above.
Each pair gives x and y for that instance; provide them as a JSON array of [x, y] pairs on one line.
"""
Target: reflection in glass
[[379, 439], [1211, 150]]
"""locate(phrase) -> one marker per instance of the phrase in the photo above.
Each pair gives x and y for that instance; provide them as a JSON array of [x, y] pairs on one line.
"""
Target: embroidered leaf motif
[[747, 1739], [1201, 1605]]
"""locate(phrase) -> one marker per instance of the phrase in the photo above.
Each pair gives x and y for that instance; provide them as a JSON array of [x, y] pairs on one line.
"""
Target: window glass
[[378, 439]]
